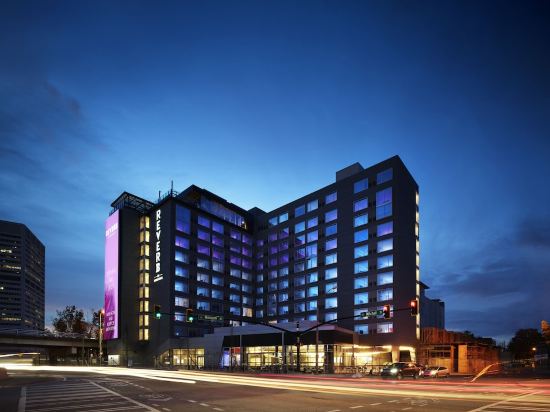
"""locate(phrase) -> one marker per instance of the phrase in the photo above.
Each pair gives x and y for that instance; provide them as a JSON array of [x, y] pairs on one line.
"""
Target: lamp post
[[101, 315]]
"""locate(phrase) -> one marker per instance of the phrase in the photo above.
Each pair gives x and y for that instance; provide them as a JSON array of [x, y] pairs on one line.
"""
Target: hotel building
[[345, 249]]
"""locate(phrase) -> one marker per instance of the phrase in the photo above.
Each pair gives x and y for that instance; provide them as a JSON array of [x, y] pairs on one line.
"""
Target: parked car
[[436, 372], [399, 370]]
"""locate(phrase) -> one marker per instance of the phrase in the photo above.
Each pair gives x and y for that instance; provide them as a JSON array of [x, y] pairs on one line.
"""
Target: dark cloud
[[501, 287]]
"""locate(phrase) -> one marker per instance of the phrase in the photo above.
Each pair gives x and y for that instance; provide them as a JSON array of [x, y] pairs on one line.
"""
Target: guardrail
[[44, 334]]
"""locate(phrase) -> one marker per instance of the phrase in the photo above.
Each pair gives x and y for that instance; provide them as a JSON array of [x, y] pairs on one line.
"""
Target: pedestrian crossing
[[527, 402], [76, 395]]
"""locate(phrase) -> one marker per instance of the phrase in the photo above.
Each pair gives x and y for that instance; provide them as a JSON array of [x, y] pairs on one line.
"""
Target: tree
[[70, 320], [523, 342], [545, 328], [93, 326]]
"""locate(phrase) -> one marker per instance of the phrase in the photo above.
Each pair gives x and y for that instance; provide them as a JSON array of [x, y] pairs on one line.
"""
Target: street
[[49, 389]]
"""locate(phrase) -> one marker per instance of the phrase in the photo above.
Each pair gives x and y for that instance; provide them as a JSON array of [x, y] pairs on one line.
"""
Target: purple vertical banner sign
[[111, 278]]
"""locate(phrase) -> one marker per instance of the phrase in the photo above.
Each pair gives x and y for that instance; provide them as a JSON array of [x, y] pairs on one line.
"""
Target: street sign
[[210, 317], [372, 313]]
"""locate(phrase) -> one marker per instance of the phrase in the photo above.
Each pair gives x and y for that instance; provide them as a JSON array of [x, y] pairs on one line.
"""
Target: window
[[299, 281], [216, 280], [203, 277], [384, 203], [235, 234], [384, 294], [204, 221], [202, 291], [385, 278], [182, 242], [331, 303], [259, 313], [235, 286], [331, 215], [300, 253], [183, 219], [331, 244], [203, 263], [384, 245], [361, 236], [312, 236], [361, 220], [331, 273], [384, 229], [311, 262], [272, 286], [283, 284], [217, 294], [384, 262], [284, 232], [331, 259], [299, 293], [361, 267], [283, 297], [299, 211], [218, 266], [283, 217], [203, 235], [299, 307], [283, 310], [299, 227], [362, 282], [361, 298], [272, 221], [312, 222], [217, 240], [384, 176], [311, 305], [312, 291], [331, 230], [182, 272], [247, 312], [311, 250], [361, 251], [203, 249], [312, 277], [283, 271], [218, 254], [384, 328], [179, 301], [299, 267], [331, 288], [235, 272], [181, 287], [181, 257], [235, 310], [311, 206], [360, 204], [361, 185], [178, 316], [272, 237], [361, 329], [299, 240], [235, 298], [217, 227], [331, 197]]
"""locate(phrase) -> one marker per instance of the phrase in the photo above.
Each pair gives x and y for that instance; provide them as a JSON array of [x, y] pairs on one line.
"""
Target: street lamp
[[101, 316]]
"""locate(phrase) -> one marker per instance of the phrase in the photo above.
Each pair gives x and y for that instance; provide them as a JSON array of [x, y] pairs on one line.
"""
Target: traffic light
[[157, 311], [189, 315], [387, 311], [414, 307]]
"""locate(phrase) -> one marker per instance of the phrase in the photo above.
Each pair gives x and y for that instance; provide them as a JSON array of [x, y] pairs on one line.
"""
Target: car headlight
[[433, 372], [393, 370]]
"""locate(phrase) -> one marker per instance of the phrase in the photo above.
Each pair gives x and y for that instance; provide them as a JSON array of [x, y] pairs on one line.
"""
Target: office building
[[330, 256], [22, 281]]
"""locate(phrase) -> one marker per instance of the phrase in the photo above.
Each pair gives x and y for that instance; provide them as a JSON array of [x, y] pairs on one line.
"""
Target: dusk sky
[[262, 102]]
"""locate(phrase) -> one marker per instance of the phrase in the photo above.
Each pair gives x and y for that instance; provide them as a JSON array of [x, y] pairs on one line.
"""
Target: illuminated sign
[[111, 278], [158, 273]]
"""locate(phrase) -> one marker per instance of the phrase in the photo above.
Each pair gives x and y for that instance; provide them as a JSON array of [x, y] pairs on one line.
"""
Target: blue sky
[[261, 102]]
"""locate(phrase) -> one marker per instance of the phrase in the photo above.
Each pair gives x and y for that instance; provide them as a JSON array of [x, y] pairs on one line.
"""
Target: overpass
[[51, 347]]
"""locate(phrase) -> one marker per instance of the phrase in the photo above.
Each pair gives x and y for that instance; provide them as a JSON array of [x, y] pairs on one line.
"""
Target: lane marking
[[147, 407], [511, 399], [22, 400], [166, 409], [191, 400], [356, 407], [395, 400], [218, 409], [375, 404], [204, 404], [72, 407], [407, 408], [334, 410]]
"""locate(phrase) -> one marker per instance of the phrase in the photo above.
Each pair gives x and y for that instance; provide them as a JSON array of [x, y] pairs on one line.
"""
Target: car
[[399, 370], [436, 372]]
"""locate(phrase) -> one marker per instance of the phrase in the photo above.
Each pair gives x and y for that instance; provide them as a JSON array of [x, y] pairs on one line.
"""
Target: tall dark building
[[22, 281], [348, 248]]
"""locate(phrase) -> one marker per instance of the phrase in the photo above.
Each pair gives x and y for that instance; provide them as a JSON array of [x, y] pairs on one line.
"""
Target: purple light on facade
[[111, 277]]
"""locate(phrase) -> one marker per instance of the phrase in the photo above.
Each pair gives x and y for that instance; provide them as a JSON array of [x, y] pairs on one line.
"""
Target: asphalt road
[[149, 390]]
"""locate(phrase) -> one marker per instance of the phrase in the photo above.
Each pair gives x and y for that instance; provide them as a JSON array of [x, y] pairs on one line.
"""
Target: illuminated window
[[331, 244], [361, 251], [312, 291], [331, 273], [313, 205], [182, 242], [299, 211], [384, 229], [299, 227], [360, 185], [331, 215], [312, 222], [361, 329], [384, 294], [362, 282], [384, 262], [180, 301], [361, 220], [384, 176], [331, 303], [203, 221], [331, 230], [384, 203], [217, 227], [361, 267], [361, 236], [384, 328], [384, 245], [331, 259], [361, 298], [331, 197], [181, 287], [360, 204], [385, 278], [311, 305]]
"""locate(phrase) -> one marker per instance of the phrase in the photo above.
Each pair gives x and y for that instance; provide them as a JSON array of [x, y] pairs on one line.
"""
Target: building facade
[[348, 248], [22, 278]]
